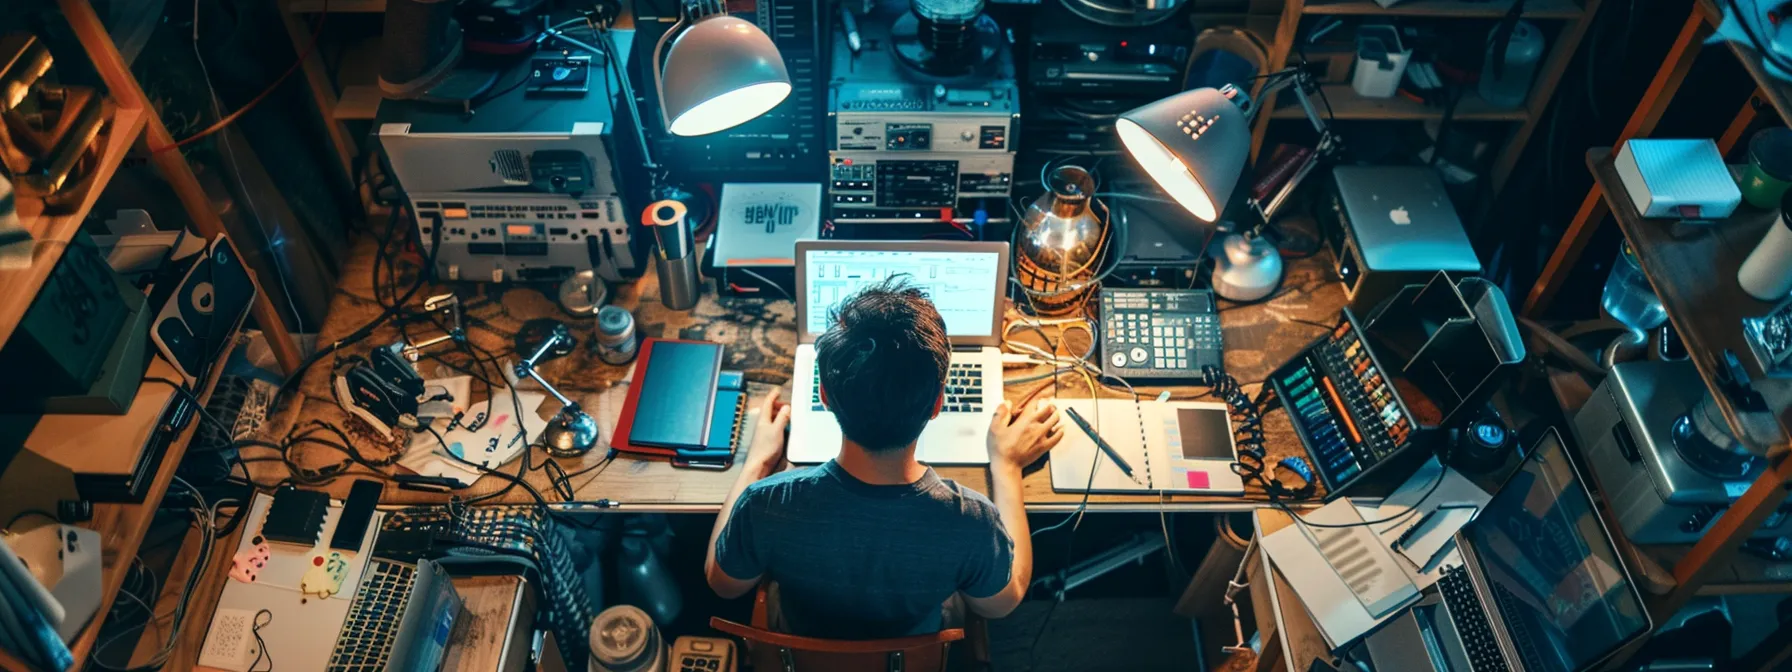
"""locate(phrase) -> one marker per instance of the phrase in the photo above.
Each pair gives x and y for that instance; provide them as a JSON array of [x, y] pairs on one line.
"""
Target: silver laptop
[[1541, 587], [1402, 219], [965, 281]]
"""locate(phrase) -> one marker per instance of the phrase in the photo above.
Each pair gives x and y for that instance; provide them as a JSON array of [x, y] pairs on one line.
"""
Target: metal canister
[[674, 258], [615, 336], [624, 639]]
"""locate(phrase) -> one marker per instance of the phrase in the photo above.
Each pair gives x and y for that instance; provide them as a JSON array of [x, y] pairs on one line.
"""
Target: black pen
[[1408, 534], [1102, 444]]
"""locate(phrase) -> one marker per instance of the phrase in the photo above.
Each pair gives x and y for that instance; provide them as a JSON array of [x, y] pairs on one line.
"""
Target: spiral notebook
[[1183, 447]]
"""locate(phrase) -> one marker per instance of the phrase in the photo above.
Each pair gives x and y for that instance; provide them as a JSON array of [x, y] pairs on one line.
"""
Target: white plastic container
[[1380, 62]]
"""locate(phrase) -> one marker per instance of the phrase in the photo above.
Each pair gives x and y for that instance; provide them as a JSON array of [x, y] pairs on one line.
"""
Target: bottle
[[1767, 273], [1628, 298], [1511, 64]]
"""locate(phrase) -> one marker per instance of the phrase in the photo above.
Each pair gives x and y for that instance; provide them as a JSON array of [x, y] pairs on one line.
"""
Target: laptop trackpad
[[961, 438]]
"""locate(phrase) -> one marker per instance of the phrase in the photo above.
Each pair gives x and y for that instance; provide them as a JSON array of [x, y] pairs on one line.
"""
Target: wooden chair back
[[779, 652]]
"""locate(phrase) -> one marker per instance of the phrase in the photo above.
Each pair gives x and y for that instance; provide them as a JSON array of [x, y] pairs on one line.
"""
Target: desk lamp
[[719, 73], [1194, 145], [572, 432]]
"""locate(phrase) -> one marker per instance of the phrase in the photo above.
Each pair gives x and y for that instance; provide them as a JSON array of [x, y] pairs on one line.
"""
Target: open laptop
[[965, 281], [358, 628], [1541, 587]]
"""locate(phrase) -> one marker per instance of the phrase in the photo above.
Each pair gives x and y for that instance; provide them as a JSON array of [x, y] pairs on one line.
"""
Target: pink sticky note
[[1197, 480]]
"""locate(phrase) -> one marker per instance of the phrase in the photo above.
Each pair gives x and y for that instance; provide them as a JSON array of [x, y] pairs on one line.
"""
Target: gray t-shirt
[[860, 561]]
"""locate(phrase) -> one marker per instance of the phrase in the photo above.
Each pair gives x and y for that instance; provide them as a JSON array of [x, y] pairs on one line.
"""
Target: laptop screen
[[1556, 579], [961, 283]]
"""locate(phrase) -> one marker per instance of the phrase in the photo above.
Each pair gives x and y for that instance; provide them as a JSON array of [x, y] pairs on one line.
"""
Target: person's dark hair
[[883, 363]]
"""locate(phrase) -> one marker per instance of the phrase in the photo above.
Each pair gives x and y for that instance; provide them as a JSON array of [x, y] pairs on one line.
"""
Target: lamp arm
[[527, 366], [1299, 80], [565, 403], [659, 84], [628, 92]]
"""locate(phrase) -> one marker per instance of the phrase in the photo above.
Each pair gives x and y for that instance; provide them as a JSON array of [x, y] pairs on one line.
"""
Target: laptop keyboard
[[365, 643], [1470, 618], [964, 388]]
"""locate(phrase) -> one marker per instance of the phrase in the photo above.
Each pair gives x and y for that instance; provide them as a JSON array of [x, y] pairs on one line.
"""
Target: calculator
[[1160, 335], [702, 654]]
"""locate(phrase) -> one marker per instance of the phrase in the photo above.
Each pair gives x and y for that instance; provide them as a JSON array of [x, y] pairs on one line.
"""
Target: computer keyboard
[[1518, 629], [964, 389], [365, 643], [1470, 619]]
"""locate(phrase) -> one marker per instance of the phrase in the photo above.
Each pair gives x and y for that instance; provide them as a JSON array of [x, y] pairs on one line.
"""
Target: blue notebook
[[677, 394]]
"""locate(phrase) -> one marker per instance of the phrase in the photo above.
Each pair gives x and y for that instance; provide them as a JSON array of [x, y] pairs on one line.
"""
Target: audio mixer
[[1351, 419], [1160, 335]]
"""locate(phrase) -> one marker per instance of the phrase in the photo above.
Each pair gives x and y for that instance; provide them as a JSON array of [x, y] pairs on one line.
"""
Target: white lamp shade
[[720, 73], [1193, 144]]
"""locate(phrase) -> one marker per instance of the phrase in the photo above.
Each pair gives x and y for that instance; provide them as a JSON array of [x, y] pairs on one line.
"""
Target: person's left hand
[[767, 451]]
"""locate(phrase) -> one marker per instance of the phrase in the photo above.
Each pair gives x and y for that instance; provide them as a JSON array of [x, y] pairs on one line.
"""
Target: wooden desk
[[1288, 632], [759, 337]]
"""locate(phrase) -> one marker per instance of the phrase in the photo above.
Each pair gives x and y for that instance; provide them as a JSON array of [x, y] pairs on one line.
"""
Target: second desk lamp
[[1194, 145]]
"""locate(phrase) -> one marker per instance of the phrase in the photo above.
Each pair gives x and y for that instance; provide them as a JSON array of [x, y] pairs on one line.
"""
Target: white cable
[[205, 517]]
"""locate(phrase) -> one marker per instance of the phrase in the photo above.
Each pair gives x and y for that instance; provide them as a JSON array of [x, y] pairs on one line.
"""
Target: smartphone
[[357, 512]]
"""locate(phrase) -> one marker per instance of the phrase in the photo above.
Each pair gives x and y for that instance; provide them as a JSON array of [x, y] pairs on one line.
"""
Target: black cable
[[31, 512], [1435, 482], [387, 314], [1321, 325], [255, 626]]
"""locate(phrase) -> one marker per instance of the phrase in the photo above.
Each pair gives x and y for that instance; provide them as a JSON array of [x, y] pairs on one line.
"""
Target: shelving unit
[[1692, 269], [133, 125], [1346, 104], [1702, 18], [1574, 18], [1462, 9], [122, 526], [53, 232], [1693, 272]]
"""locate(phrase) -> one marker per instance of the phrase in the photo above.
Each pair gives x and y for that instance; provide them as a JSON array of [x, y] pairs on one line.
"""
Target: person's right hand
[[1017, 439], [766, 452]]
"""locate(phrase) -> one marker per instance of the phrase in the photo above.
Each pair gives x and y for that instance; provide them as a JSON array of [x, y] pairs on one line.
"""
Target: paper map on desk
[[494, 444]]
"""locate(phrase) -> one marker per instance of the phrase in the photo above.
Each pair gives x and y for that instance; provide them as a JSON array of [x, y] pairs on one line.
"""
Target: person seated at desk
[[874, 544]]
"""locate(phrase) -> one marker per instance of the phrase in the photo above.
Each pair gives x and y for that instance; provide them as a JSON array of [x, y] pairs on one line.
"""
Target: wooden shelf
[[336, 6], [122, 526], [1745, 575], [358, 103], [1693, 270], [1467, 9], [1778, 91], [1346, 104], [201, 605], [53, 232]]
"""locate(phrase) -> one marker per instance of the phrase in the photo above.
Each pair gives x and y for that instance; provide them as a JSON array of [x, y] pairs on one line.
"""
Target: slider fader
[[1344, 408]]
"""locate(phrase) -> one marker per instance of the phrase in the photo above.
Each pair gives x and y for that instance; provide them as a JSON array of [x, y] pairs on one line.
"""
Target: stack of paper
[[1352, 578], [1348, 580]]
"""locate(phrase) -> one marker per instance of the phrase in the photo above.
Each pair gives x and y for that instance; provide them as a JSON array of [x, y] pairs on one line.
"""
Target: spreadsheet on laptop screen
[[962, 285]]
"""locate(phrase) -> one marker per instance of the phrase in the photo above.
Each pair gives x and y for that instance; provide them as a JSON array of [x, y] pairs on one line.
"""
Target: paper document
[[1431, 520], [1349, 587], [494, 444]]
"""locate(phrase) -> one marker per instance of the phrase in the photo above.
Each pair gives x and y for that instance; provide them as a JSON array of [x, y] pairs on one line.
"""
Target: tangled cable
[[1247, 431]]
